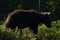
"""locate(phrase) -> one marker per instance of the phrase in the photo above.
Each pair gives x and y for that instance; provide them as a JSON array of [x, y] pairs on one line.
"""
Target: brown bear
[[27, 18]]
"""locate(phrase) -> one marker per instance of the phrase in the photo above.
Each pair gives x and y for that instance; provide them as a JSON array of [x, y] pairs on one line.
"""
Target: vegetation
[[44, 33]]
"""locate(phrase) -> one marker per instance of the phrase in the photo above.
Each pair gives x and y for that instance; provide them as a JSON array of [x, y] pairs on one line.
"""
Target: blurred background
[[7, 6]]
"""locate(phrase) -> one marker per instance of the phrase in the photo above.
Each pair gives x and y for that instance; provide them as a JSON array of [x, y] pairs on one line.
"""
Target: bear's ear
[[46, 13]]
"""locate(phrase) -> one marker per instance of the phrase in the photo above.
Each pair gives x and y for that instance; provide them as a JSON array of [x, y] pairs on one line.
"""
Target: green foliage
[[56, 23], [15, 4], [44, 33], [8, 34], [50, 5]]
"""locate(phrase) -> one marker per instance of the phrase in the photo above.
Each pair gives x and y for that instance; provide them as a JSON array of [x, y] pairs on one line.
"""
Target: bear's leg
[[34, 28]]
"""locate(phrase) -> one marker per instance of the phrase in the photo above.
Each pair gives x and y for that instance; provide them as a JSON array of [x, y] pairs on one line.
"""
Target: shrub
[[44, 33]]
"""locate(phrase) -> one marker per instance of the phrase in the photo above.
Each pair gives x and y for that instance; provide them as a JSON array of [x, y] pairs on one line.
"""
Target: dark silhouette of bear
[[27, 18]]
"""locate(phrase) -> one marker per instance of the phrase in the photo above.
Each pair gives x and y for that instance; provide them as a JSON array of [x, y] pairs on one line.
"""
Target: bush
[[8, 34], [44, 33]]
